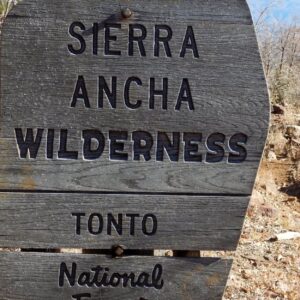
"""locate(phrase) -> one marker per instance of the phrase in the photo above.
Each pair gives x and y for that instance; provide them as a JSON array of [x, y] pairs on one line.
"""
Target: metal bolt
[[126, 13], [118, 251]]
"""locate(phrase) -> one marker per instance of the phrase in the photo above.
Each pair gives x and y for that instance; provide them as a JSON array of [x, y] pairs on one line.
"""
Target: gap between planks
[[122, 193], [131, 252]]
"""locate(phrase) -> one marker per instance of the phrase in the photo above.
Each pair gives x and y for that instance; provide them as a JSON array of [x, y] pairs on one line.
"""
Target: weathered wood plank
[[148, 221], [36, 276], [39, 74]]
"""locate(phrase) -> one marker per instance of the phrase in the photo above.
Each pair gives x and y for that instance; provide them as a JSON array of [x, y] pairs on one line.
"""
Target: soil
[[265, 267]]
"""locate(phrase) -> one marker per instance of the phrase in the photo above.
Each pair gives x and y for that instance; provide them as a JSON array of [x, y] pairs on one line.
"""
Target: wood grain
[[36, 276], [183, 222], [38, 77], [190, 205]]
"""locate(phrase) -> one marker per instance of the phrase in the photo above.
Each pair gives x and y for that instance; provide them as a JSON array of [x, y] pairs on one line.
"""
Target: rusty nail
[[126, 13]]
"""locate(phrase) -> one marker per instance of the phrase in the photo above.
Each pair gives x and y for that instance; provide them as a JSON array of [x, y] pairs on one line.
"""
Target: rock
[[281, 151], [244, 275], [271, 156], [281, 146], [295, 150], [285, 236], [267, 212], [279, 258], [293, 132]]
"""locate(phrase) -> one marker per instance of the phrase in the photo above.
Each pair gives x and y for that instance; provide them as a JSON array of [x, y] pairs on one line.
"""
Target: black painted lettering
[[137, 38], [109, 38], [143, 280], [117, 139], [98, 219], [115, 280], [164, 144], [50, 141], [105, 278], [142, 145], [237, 145], [215, 146], [191, 147], [185, 95], [132, 222], [158, 39], [78, 221], [129, 104], [163, 93], [157, 282], [63, 153], [95, 38], [95, 280], [30, 144], [89, 136], [82, 296], [80, 93], [100, 277], [189, 43], [112, 222], [110, 94], [84, 279], [78, 36], [145, 227], [128, 277], [71, 276]]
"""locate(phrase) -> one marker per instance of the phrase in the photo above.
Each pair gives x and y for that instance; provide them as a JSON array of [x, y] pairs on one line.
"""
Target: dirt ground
[[267, 266], [267, 261]]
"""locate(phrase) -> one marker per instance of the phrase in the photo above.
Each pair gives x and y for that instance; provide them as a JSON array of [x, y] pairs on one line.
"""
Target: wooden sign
[[84, 277], [170, 100], [139, 124], [133, 221]]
